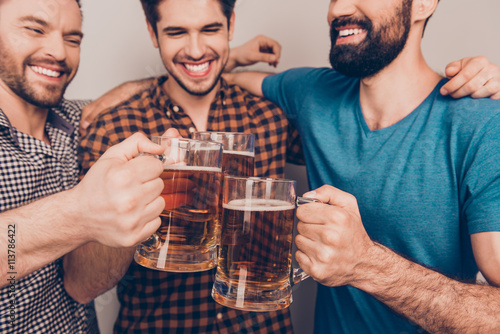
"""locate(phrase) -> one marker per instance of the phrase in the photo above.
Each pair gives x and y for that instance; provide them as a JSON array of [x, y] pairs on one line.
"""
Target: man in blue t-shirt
[[411, 180]]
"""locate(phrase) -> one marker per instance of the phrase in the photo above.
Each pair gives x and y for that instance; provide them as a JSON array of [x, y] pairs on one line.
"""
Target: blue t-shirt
[[423, 185]]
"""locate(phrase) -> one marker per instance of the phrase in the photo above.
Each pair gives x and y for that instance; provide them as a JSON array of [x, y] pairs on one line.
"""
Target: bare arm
[[335, 250], [111, 205], [112, 98], [93, 269], [251, 81]]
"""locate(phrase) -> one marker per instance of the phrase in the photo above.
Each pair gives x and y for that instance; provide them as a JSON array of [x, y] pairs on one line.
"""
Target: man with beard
[[193, 39], [411, 179], [44, 214]]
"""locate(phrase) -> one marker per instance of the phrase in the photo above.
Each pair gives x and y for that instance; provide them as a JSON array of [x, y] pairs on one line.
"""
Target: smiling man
[[409, 179], [44, 213], [193, 39]]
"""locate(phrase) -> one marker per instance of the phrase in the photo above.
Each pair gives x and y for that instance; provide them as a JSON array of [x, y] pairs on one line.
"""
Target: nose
[[55, 47], [340, 8], [195, 47]]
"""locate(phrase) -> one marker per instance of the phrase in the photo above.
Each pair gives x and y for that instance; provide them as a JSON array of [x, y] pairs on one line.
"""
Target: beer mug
[[238, 151], [186, 240], [254, 270]]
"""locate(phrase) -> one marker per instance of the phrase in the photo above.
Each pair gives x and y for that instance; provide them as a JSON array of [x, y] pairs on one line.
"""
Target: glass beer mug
[[254, 271], [238, 151], [186, 240]]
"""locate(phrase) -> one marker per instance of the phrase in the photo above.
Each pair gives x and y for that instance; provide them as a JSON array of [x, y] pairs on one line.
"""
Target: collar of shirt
[[164, 102], [53, 118]]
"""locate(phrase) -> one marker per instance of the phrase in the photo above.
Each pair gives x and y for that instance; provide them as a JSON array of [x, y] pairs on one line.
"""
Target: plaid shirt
[[31, 169], [159, 302]]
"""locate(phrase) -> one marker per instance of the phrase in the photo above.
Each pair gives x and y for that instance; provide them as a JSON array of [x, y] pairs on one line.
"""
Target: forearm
[[251, 81], [93, 269], [435, 302], [37, 234]]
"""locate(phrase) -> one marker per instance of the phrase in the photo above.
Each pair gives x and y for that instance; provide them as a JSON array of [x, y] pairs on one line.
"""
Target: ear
[[231, 26], [423, 9], [152, 34]]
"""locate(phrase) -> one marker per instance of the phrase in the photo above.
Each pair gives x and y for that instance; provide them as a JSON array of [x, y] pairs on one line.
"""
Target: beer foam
[[246, 153], [258, 205], [192, 168]]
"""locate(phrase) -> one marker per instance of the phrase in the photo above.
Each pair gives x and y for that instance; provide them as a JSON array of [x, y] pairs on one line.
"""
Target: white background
[[117, 48]]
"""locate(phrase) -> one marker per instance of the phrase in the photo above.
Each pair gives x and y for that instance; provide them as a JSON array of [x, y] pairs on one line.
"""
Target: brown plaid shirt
[[160, 302]]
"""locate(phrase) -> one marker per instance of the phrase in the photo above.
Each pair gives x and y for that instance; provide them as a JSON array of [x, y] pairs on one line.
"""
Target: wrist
[[372, 270]]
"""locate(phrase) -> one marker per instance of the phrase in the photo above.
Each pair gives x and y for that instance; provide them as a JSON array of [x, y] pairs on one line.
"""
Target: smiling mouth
[[198, 68], [46, 71], [350, 32]]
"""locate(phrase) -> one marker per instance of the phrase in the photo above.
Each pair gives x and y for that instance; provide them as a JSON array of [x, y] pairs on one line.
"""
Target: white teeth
[[198, 68], [349, 32], [47, 72]]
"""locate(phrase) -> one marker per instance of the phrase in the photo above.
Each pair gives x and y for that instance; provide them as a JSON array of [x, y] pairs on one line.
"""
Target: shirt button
[[168, 114], [223, 103], [219, 316], [192, 130], [176, 108]]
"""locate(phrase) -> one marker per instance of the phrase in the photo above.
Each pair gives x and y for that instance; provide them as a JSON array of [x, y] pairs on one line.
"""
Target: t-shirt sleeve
[[286, 89], [481, 183]]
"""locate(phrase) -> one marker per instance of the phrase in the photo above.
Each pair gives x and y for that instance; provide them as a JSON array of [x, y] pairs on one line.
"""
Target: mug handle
[[297, 275]]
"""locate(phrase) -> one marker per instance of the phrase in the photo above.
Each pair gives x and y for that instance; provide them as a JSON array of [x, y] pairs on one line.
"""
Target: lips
[[197, 69], [47, 72]]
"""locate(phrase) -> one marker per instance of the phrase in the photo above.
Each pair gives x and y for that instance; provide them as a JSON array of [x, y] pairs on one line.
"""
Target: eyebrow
[[208, 26], [45, 24], [34, 19]]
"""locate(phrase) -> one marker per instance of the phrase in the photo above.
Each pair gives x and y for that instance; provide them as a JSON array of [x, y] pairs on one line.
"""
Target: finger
[[176, 200], [145, 168], [148, 229], [132, 146], [332, 196], [475, 87], [490, 89], [153, 210], [89, 113], [172, 132], [453, 68], [309, 230]]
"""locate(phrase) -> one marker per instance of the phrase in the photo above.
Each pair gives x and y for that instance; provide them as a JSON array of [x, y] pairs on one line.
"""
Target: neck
[[397, 90], [195, 106], [22, 115]]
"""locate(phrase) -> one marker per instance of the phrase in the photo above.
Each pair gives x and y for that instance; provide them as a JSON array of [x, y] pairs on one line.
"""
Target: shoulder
[[241, 98], [130, 110], [470, 113], [308, 75], [71, 110]]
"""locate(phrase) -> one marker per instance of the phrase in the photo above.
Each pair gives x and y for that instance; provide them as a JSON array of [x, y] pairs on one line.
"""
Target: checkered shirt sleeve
[[160, 302], [30, 170]]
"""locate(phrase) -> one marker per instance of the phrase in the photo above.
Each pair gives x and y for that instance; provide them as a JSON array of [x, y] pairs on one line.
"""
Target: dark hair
[[151, 10]]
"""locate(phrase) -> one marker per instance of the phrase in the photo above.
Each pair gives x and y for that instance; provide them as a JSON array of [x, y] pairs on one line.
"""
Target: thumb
[[132, 147], [172, 132], [333, 196]]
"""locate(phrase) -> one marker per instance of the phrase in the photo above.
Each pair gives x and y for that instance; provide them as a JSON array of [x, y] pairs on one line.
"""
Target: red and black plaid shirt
[[160, 302]]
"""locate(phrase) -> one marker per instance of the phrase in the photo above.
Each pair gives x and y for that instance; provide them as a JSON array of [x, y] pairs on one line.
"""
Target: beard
[[15, 79], [378, 50]]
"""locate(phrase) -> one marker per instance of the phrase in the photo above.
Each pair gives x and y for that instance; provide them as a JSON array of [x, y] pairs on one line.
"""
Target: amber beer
[[186, 240], [237, 163], [256, 248], [255, 270]]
